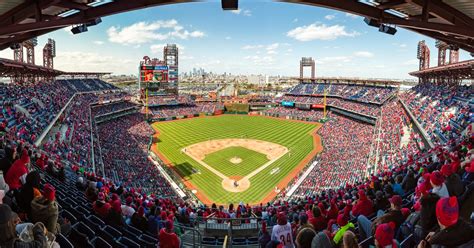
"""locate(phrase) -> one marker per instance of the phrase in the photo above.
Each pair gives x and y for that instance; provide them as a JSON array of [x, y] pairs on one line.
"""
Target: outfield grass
[[220, 161], [175, 135]]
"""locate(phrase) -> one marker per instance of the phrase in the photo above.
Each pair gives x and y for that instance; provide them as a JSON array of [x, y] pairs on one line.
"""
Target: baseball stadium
[[294, 123]]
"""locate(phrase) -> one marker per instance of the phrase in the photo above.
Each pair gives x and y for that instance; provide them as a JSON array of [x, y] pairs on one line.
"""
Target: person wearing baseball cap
[[394, 214], [282, 231], [453, 231], [9, 238], [439, 187]]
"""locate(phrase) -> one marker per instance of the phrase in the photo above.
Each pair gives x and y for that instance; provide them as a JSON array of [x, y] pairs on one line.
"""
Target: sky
[[262, 37]]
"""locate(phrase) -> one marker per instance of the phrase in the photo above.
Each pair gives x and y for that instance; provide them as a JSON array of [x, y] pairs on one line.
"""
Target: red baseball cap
[[396, 200]]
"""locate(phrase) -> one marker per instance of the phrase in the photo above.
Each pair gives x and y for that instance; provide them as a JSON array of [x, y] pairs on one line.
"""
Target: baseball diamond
[[208, 145]]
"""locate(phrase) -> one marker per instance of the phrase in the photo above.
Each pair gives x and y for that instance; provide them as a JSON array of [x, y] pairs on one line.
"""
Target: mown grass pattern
[[220, 161], [174, 135]]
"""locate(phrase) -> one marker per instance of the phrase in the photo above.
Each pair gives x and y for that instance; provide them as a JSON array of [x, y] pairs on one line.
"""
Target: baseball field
[[236, 158]]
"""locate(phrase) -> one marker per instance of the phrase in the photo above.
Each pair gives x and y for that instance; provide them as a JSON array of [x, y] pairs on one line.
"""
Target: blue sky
[[261, 38]]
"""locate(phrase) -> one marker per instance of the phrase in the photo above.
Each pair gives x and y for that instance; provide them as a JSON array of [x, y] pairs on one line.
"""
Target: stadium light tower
[[308, 61]]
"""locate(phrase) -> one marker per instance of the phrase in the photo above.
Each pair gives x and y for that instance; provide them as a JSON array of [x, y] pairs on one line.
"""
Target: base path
[[199, 151]]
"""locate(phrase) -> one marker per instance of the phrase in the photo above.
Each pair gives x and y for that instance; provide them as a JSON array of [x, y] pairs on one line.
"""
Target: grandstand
[[340, 162]]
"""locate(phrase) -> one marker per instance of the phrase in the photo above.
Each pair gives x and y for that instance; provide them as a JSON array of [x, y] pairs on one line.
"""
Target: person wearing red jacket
[[16, 175], [318, 221], [168, 239], [363, 206], [100, 207]]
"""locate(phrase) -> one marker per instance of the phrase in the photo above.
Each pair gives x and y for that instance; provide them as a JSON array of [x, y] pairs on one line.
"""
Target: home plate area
[[235, 160]]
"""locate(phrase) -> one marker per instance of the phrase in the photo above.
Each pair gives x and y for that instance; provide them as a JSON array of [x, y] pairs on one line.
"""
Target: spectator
[[115, 217], [100, 207], [427, 221], [139, 220], [127, 209], [437, 182], [9, 238], [397, 186], [381, 202], [29, 191], [168, 239], [384, 236], [317, 220], [303, 224], [349, 240], [264, 235], [453, 180], [453, 231], [45, 209], [394, 214], [7, 161], [363, 206], [343, 226], [282, 231], [305, 237], [16, 175]]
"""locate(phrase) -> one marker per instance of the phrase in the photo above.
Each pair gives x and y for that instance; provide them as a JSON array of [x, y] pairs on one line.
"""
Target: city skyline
[[261, 38]]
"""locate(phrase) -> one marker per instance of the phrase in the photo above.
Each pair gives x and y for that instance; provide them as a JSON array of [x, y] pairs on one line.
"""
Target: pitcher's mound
[[235, 184], [236, 160]]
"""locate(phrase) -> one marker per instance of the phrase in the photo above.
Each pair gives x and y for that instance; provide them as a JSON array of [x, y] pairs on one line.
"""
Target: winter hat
[[49, 192], [384, 233], [342, 220], [101, 196], [436, 178], [447, 211], [129, 200], [281, 218]]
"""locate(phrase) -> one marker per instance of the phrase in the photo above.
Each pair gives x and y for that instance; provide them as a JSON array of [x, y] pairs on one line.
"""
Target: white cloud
[[145, 32], [329, 17], [249, 47], [364, 54], [244, 12], [98, 42], [319, 32], [272, 46], [87, 61], [351, 15]]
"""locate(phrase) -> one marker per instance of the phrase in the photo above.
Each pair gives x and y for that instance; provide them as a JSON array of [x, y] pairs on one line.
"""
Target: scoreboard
[[153, 73]]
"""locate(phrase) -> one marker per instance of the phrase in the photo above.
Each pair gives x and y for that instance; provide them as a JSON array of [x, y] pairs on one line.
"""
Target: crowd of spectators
[[427, 195], [362, 108], [186, 110], [360, 93], [443, 110], [98, 110], [283, 112], [124, 144], [339, 163], [390, 130]]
